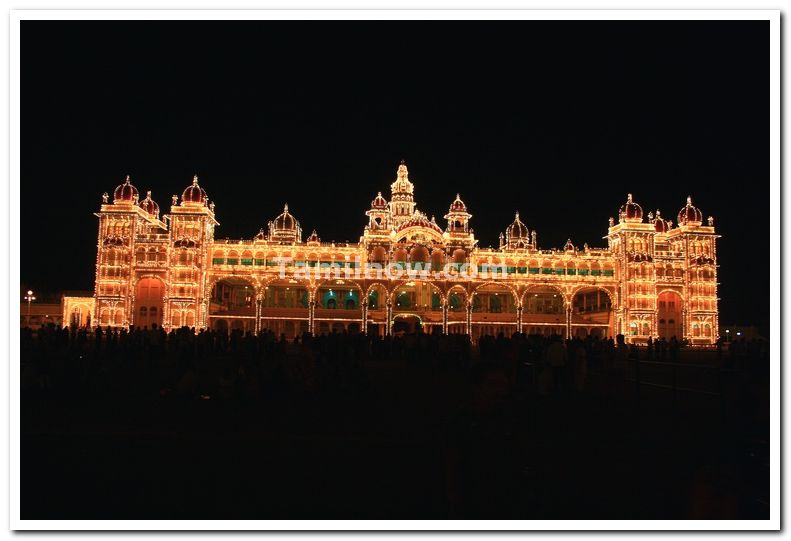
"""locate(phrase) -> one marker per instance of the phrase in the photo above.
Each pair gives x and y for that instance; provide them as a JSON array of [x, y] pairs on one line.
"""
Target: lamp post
[[29, 298]]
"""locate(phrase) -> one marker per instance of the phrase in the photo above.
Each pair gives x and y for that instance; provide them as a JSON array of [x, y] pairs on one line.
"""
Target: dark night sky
[[557, 119]]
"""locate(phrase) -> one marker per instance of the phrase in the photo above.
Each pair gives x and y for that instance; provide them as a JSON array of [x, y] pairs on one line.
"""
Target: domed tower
[[130, 238], [698, 244], [285, 228], [402, 200], [631, 241], [379, 219], [518, 236], [458, 218], [119, 222], [192, 224]]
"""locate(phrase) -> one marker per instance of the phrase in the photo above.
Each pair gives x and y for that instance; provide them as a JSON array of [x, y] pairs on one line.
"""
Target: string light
[[643, 262]]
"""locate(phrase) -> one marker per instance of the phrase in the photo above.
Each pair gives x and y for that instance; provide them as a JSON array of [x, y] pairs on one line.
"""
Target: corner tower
[[192, 225]]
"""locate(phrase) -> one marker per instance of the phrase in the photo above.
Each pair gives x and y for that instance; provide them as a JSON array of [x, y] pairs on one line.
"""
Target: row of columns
[[389, 318]]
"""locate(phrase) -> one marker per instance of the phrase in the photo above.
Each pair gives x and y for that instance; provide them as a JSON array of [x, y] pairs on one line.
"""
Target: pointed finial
[[127, 179], [378, 194], [403, 161], [628, 198], [711, 221], [194, 180], [517, 215], [285, 208], [105, 197], [174, 199], [650, 215], [689, 200], [148, 194], [658, 213]]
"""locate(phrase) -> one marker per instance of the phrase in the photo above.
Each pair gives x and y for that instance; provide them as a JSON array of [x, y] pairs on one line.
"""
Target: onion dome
[[630, 211], [420, 220], [314, 238], [285, 221], [260, 235], [660, 225], [126, 193], [194, 194], [569, 247], [149, 205], [379, 202], [517, 230], [690, 215], [457, 205]]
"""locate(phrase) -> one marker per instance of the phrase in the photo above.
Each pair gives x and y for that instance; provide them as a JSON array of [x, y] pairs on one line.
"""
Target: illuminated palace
[[654, 278]]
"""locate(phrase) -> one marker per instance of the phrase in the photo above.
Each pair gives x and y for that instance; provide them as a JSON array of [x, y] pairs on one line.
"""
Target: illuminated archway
[[669, 314], [592, 312], [233, 301], [544, 311], [149, 303]]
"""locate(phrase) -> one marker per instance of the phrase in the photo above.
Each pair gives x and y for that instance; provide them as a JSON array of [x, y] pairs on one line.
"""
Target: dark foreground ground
[[407, 439]]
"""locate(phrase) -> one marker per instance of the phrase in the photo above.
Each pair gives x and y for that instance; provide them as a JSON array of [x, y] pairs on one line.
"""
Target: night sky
[[556, 119]]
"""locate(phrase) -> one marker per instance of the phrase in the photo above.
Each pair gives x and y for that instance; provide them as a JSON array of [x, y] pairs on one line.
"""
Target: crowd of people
[[473, 407], [189, 363]]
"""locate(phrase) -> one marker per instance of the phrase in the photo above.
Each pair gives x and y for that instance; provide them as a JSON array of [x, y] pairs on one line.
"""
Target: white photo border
[[13, 198]]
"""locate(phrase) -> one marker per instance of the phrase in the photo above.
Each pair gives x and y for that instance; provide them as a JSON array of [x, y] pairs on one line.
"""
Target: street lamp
[[29, 298]]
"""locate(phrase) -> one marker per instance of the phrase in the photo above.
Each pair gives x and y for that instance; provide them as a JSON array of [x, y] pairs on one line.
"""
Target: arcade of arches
[[291, 309]]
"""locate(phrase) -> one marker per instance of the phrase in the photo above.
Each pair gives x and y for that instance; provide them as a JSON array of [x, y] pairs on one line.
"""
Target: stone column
[[364, 306], [469, 319], [519, 318], [389, 319], [444, 318], [568, 322], [312, 317], [257, 325]]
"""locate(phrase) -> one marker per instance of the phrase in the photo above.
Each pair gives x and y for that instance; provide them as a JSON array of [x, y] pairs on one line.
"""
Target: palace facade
[[654, 278]]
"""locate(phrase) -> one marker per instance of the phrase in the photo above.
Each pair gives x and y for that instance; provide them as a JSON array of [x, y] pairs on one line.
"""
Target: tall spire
[[402, 201]]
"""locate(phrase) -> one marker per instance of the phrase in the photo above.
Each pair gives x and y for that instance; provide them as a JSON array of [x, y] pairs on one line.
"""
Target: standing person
[[556, 359]]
